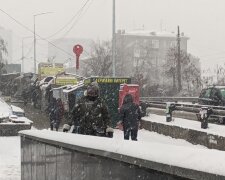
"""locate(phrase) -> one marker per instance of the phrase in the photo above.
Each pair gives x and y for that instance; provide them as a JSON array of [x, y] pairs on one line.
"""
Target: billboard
[[49, 69], [65, 80]]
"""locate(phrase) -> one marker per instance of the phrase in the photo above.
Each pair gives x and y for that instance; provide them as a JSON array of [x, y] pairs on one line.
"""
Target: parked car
[[213, 95]]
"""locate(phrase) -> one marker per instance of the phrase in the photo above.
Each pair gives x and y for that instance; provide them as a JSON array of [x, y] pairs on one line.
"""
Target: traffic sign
[[77, 49]]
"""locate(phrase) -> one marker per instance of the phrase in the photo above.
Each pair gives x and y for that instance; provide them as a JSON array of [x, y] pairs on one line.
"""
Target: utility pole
[[22, 69], [34, 16], [113, 40], [34, 47], [178, 60]]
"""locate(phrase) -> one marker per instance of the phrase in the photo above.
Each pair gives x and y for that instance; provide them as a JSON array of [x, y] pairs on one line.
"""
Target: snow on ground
[[150, 146], [10, 158], [10, 148]]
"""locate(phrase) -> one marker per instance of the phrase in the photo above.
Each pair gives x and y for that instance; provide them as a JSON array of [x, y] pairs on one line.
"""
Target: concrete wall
[[211, 141], [12, 129], [45, 159]]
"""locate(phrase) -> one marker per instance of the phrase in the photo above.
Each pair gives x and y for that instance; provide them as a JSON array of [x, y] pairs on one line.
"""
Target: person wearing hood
[[90, 115], [130, 115]]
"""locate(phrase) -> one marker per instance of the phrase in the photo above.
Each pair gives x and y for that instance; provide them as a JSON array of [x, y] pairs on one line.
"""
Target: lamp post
[[113, 40], [23, 51], [34, 16]]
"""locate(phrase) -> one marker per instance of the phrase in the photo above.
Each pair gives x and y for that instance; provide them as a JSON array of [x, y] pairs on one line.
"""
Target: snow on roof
[[72, 88], [153, 33], [5, 109], [17, 109], [62, 87], [191, 157]]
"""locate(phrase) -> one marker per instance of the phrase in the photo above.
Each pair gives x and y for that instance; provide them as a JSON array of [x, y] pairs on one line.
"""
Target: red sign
[[77, 49]]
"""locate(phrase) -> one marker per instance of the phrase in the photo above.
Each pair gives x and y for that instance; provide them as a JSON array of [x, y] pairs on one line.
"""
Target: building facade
[[145, 51], [6, 35]]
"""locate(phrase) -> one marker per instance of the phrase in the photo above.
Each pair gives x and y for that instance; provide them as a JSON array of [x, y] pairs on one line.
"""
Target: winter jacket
[[91, 116], [130, 113]]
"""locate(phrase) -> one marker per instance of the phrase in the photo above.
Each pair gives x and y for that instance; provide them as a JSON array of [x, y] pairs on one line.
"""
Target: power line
[[28, 52], [71, 20], [75, 22], [36, 34]]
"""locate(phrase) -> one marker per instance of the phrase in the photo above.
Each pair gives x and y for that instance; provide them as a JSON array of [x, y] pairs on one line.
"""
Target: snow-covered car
[[17, 111], [212, 95]]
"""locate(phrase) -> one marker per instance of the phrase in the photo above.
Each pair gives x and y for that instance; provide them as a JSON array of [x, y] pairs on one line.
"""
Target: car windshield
[[205, 93], [222, 90]]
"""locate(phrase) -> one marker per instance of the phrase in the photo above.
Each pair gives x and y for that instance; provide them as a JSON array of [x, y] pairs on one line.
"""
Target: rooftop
[[142, 32]]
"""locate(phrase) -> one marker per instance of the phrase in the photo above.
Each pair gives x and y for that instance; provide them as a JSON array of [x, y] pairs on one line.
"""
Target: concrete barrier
[[44, 158], [210, 140], [12, 129]]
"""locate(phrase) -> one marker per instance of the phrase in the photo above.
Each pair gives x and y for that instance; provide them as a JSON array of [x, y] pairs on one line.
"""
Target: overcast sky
[[201, 20]]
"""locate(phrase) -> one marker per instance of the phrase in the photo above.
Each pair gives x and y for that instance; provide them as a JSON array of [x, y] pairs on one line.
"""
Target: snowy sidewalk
[[10, 168]]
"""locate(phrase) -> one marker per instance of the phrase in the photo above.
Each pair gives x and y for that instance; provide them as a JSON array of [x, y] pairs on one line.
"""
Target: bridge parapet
[[53, 155]]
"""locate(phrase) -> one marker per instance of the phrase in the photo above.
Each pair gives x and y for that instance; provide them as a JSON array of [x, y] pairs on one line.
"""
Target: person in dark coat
[[130, 115], [52, 114], [90, 115], [59, 112]]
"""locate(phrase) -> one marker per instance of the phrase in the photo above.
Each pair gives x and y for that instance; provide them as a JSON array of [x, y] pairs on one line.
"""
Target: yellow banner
[[66, 81], [112, 80], [108, 80]]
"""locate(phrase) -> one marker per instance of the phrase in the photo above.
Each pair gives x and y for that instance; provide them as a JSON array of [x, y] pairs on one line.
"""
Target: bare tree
[[99, 64], [190, 73], [3, 50]]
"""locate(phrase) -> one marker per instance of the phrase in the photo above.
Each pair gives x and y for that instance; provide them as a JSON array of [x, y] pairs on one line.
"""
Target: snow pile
[[8, 112], [191, 157], [5, 109], [10, 168], [17, 109], [18, 120]]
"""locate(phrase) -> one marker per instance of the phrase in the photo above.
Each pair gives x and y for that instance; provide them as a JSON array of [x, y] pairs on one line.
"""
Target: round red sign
[[78, 49]]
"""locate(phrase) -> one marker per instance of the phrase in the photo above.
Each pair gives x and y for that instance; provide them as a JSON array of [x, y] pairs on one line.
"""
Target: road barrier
[[218, 112]]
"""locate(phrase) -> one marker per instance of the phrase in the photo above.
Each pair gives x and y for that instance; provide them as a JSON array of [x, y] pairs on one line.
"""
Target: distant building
[[141, 49], [65, 53], [143, 53], [13, 68], [6, 35]]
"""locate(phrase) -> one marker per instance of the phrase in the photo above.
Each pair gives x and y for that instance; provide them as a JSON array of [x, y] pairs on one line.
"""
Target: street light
[[35, 38], [23, 51], [114, 39]]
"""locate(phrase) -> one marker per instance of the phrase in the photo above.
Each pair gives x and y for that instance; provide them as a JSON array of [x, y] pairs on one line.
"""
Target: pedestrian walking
[[130, 115], [90, 115]]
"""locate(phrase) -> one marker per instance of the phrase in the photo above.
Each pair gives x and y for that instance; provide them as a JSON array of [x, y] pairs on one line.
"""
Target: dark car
[[213, 95]]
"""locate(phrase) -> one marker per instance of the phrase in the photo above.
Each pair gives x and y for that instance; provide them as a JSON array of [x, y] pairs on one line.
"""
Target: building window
[[155, 44], [173, 44]]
